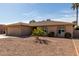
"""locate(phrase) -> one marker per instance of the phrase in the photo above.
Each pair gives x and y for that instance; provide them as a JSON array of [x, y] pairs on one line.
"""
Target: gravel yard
[[27, 47]]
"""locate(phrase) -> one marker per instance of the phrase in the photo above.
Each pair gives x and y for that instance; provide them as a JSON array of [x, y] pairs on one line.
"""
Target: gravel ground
[[28, 47]]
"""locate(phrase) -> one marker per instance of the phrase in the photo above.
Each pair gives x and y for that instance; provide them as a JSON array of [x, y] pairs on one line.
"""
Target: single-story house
[[59, 28]]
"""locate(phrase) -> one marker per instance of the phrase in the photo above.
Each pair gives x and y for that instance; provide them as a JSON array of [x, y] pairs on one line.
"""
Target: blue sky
[[24, 12]]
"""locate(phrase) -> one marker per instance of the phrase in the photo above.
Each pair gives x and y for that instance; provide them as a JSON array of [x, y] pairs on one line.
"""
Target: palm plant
[[75, 6]]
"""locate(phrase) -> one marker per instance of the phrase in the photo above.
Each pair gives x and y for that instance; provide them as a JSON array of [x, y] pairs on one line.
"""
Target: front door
[[61, 31]]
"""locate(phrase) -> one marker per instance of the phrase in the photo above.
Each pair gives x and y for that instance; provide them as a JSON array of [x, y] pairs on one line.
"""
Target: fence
[[76, 34]]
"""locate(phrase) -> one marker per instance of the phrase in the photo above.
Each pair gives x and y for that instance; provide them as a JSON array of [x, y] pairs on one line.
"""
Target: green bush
[[39, 32], [67, 35], [51, 34]]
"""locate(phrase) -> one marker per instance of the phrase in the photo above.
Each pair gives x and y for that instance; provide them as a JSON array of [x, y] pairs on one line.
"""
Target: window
[[62, 30], [59, 31]]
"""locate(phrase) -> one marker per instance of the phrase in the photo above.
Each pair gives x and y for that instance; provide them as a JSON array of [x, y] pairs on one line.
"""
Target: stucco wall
[[14, 31], [70, 29], [2, 29], [26, 30], [76, 34], [52, 29], [18, 30]]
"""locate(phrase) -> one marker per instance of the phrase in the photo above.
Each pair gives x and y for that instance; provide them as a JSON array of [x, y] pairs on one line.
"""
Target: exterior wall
[[13, 31], [2, 29], [59, 30], [70, 29], [18, 31], [26, 30], [52, 29], [76, 34], [67, 28]]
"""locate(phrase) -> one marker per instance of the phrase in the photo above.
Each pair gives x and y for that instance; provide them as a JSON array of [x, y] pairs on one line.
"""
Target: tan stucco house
[[20, 29]]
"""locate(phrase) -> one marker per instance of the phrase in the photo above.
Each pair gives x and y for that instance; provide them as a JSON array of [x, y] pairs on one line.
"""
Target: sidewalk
[[4, 36]]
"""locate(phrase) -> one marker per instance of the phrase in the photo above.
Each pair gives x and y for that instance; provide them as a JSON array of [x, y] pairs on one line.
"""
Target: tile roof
[[45, 23], [19, 23]]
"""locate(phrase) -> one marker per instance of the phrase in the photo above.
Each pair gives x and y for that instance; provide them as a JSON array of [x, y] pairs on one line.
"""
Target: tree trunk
[[77, 16]]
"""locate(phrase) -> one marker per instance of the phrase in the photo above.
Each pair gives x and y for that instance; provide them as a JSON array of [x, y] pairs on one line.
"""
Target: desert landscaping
[[39, 29], [27, 46]]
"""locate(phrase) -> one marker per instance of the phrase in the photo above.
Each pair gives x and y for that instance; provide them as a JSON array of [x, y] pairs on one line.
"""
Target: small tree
[[39, 32], [32, 21], [48, 20]]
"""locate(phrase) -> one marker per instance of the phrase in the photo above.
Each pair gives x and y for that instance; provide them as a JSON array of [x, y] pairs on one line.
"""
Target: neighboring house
[[60, 28], [2, 29]]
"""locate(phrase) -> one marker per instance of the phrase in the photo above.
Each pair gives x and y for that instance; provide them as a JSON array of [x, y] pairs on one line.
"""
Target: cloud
[[65, 15], [36, 15], [67, 11]]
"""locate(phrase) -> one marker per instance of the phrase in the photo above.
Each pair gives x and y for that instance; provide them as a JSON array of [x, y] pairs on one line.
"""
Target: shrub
[[39, 32], [51, 34], [67, 35]]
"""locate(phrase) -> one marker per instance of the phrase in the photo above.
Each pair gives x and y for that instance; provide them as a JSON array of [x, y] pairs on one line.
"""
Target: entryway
[[61, 31]]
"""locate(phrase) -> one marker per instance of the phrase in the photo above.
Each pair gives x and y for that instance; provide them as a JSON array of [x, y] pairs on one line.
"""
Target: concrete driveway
[[4, 36], [76, 45]]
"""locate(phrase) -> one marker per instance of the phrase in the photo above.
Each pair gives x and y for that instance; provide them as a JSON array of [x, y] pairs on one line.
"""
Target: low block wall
[[76, 34]]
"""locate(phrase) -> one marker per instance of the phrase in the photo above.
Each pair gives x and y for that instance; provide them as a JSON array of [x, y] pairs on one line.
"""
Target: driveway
[[4, 36], [76, 45]]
